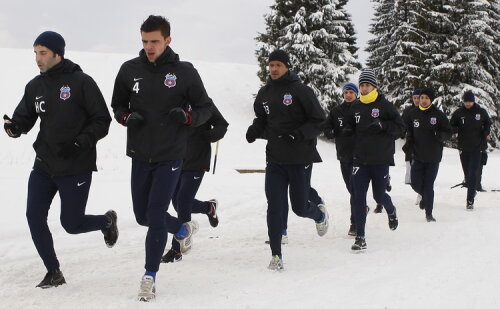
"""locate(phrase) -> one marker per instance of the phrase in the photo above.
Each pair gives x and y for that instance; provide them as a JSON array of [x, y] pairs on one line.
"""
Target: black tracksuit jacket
[[283, 106], [374, 146], [199, 149], [344, 143], [472, 126], [153, 90], [426, 132], [71, 108]]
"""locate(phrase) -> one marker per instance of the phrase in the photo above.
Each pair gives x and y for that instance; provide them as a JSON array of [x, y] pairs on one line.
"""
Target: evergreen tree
[[350, 35], [449, 45], [464, 54], [319, 38], [396, 51], [378, 47], [442, 45], [479, 55]]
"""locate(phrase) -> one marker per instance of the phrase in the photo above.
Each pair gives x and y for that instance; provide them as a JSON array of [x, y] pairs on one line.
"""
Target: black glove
[[69, 149], [207, 135], [177, 114], [407, 148], [438, 135], [377, 126], [252, 134], [291, 137], [11, 128], [330, 133], [132, 120]]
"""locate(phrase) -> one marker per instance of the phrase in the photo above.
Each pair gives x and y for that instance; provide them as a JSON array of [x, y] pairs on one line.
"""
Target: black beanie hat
[[367, 76], [53, 41], [469, 97], [281, 56], [428, 92], [417, 92]]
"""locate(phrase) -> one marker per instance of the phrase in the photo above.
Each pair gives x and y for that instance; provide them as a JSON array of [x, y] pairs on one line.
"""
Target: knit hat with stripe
[[368, 76]]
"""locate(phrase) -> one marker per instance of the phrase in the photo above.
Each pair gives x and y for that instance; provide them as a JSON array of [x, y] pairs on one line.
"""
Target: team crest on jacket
[[478, 116], [375, 112], [170, 80], [433, 120], [287, 99], [65, 93]]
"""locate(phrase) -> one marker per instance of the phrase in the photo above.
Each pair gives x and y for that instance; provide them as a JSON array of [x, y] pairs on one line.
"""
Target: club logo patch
[[375, 112], [170, 80], [433, 120], [65, 93], [478, 116], [287, 99]]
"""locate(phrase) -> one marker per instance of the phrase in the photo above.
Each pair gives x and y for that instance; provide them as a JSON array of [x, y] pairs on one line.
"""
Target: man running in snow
[[195, 164], [158, 97], [73, 117], [406, 147], [376, 124], [334, 128], [426, 129], [472, 124], [289, 116]]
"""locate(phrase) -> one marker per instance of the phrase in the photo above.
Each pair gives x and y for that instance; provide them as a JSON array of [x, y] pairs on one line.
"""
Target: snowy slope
[[449, 264]]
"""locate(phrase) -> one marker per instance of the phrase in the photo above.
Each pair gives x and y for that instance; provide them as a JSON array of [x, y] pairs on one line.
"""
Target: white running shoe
[[322, 226], [213, 218], [186, 243], [284, 239], [419, 198], [276, 264], [147, 291]]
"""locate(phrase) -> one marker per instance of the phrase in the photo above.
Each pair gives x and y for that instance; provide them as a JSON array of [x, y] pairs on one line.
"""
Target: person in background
[[335, 128], [195, 164], [472, 124], [406, 147], [427, 128]]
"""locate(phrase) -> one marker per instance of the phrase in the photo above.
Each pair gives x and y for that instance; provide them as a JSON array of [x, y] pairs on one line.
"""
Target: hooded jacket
[[285, 106], [71, 108], [153, 90], [472, 126], [199, 149], [426, 132], [373, 145], [337, 120]]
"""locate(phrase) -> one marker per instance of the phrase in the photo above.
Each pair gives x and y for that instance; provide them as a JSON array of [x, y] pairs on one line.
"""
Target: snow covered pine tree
[[319, 37]]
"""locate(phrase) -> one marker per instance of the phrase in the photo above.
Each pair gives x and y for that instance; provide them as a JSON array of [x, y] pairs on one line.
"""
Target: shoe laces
[[147, 284], [276, 262]]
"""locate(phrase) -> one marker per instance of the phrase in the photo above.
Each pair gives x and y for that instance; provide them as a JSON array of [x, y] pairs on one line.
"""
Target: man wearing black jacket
[[73, 117], [376, 124], [289, 116], [157, 97], [344, 141], [195, 164], [406, 147], [473, 125], [426, 129]]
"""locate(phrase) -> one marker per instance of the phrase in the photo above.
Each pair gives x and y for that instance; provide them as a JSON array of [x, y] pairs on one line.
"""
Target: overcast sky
[[215, 30]]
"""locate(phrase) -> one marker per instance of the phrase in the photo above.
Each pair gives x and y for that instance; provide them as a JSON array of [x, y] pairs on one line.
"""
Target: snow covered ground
[[453, 263]]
